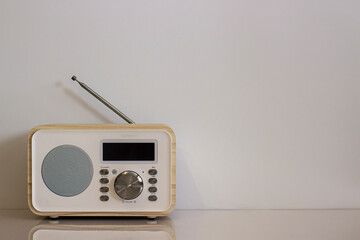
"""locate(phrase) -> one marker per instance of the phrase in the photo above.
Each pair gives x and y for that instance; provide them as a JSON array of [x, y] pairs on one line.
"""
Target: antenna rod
[[106, 103]]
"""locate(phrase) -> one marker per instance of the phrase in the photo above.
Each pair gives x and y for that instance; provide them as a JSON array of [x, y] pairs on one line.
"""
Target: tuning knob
[[128, 185]]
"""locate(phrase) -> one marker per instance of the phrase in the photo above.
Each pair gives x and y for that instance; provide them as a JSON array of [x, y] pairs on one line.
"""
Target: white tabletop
[[189, 224]]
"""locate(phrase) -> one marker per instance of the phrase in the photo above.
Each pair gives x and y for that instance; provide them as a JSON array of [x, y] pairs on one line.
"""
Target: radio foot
[[54, 217], [151, 217]]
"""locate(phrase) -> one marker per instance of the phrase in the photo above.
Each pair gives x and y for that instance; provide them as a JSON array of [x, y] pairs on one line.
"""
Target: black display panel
[[125, 151]]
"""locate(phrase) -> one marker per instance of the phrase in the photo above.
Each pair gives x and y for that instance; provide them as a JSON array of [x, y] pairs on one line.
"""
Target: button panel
[[152, 180], [104, 181], [104, 188]]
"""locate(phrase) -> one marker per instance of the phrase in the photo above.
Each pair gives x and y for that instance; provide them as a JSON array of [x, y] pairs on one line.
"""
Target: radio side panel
[[72, 127]]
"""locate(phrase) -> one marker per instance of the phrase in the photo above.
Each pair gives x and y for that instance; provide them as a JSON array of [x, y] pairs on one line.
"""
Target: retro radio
[[101, 169]]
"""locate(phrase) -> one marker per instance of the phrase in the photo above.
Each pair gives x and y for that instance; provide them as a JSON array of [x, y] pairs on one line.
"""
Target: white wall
[[263, 95]]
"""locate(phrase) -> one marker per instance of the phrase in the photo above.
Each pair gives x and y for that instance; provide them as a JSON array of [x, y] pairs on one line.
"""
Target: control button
[[152, 198], [104, 180], [114, 171], [104, 172], [128, 185], [104, 189], [152, 189], [152, 180], [152, 171], [104, 198]]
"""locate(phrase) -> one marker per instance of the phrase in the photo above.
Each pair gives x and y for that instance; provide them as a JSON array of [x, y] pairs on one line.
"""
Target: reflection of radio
[[102, 169], [110, 229]]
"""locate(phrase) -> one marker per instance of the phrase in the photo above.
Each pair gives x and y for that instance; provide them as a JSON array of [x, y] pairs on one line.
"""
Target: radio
[[101, 169]]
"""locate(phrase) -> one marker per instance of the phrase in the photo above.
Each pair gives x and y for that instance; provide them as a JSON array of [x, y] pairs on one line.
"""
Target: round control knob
[[128, 185]]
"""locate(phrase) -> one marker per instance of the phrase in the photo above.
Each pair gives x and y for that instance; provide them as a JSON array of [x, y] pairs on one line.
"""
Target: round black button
[[152, 180], [104, 180], [152, 171], [152, 198], [104, 172], [104, 189], [104, 198], [152, 189]]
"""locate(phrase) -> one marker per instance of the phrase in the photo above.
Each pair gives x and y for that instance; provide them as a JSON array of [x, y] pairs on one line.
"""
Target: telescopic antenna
[[101, 99]]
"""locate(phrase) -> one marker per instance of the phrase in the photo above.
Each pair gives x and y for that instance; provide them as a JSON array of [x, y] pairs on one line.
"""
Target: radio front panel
[[102, 171]]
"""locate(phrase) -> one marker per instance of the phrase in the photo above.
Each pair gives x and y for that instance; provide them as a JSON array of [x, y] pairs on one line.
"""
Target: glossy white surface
[[45, 200], [81, 234], [194, 225]]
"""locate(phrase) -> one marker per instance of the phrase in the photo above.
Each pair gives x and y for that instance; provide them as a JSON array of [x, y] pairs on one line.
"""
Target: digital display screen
[[125, 151]]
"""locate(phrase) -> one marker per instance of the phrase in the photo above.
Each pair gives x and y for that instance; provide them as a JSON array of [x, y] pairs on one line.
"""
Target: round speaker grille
[[67, 170]]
